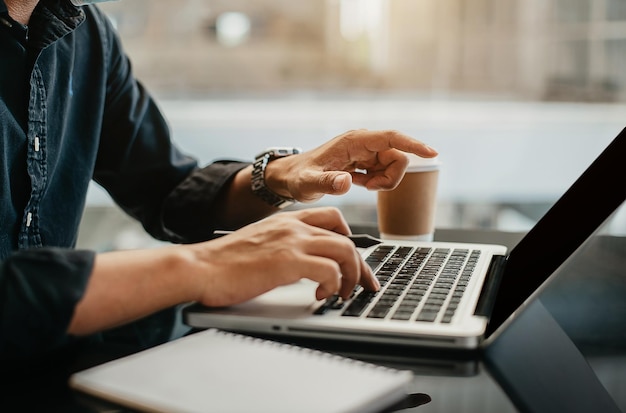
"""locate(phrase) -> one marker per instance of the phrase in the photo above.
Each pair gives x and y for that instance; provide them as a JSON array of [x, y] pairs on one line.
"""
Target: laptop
[[438, 294]]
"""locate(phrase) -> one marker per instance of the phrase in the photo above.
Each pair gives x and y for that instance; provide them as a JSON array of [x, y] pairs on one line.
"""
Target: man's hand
[[280, 250], [373, 159]]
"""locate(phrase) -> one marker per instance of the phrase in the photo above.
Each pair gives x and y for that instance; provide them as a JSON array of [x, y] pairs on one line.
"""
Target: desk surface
[[567, 351]]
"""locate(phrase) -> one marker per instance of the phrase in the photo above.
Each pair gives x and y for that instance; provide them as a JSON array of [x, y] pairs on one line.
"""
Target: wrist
[[269, 180], [276, 177], [188, 268], [194, 261]]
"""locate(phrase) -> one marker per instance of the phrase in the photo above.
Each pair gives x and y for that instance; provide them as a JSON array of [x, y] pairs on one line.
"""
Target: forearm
[[127, 285]]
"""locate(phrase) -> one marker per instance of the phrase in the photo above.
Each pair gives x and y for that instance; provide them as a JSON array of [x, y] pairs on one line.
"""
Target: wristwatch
[[258, 176]]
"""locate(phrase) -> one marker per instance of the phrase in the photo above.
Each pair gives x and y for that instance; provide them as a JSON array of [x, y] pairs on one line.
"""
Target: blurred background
[[518, 96]]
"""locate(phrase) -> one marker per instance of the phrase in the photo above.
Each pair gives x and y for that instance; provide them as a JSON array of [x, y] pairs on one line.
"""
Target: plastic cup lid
[[419, 164]]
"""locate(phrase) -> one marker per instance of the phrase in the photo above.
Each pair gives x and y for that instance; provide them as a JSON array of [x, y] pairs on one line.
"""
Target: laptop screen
[[595, 195]]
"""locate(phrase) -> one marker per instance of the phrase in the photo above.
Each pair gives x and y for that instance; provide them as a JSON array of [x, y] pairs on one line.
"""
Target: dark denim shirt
[[71, 112]]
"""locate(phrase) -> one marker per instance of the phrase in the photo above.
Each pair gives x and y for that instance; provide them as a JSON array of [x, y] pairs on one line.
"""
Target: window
[[499, 88]]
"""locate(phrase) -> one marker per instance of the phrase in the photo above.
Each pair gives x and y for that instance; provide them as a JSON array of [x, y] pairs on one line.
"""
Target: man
[[70, 112]]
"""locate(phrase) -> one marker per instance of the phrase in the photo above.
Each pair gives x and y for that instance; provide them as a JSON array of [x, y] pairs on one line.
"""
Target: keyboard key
[[429, 316], [335, 302], [358, 304]]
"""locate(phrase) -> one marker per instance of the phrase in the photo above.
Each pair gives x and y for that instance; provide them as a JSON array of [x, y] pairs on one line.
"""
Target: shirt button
[[36, 144], [29, 219]]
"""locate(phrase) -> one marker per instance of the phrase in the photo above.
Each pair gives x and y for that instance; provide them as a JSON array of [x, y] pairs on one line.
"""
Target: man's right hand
[[280, 250]]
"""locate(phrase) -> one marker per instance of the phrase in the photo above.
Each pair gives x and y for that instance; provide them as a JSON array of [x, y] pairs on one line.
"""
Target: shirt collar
[[53, 19]]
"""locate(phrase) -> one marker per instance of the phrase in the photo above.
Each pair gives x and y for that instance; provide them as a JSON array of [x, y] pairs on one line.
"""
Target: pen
[[360, 240]]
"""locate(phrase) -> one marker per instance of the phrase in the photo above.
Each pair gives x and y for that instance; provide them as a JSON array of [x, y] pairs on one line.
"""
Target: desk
[[558, 357]]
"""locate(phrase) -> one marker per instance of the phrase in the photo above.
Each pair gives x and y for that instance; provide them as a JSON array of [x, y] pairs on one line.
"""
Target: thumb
[[335, 183]]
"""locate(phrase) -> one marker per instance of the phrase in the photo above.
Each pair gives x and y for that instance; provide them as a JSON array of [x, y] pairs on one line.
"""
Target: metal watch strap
[[259, 187]]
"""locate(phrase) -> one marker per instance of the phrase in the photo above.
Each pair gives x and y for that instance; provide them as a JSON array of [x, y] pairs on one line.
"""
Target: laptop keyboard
[[417, 284]]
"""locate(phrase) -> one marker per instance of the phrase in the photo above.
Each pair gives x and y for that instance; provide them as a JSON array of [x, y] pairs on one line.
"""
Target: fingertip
[[321, 293], [341, 183], [432, 151], [376, 282], [373, 283]]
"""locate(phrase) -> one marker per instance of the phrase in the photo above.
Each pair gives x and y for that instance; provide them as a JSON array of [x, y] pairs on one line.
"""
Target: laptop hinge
[[490, 287]]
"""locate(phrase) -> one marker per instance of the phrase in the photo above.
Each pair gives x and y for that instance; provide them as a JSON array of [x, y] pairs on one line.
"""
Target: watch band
[[258, 176]]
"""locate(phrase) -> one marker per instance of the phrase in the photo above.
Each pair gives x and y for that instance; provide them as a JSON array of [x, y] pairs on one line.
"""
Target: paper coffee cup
[[408, 211]]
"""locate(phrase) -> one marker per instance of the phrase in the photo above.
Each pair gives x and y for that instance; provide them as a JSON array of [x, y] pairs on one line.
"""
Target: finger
[[377, 180], [368, 279], [343, 252], [328, 218], [324, 271], [332, 182], [378, 141]]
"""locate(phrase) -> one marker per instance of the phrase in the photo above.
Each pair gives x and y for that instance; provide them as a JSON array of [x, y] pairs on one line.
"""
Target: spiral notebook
[[217, 371]]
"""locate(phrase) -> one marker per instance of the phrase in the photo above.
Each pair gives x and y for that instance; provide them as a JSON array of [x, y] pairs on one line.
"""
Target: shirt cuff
[[188, 213]]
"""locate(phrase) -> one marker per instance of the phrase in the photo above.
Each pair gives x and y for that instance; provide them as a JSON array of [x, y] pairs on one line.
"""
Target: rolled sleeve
[[196, 197], [39, 290]]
